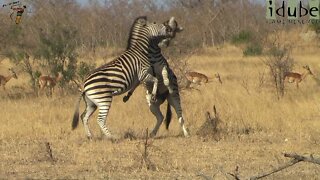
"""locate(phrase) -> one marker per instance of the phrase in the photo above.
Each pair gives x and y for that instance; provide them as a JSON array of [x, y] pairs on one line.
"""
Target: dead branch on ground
[[145, 159], [49, 151], [296, 158]]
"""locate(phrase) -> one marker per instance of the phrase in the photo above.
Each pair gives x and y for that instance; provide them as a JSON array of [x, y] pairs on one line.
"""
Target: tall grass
[[246, 103]]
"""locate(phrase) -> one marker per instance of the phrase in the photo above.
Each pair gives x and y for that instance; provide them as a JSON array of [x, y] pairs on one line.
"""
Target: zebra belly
[[104, 84]]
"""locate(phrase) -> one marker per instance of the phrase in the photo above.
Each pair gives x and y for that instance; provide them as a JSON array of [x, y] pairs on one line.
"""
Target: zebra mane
[[132, 29]]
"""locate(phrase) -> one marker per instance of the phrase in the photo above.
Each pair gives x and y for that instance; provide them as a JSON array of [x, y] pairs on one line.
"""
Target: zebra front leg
[[127, 97], [153, 79], [166, 80]]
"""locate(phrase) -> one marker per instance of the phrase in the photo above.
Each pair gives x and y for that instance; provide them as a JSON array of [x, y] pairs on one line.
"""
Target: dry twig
[[49, 151], [296, 158]]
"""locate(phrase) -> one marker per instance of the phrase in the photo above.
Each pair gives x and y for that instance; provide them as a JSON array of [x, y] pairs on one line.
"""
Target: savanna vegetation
[[261, 116]]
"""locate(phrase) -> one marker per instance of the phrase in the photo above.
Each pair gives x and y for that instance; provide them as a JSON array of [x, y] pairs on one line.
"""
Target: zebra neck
[[140, 48]]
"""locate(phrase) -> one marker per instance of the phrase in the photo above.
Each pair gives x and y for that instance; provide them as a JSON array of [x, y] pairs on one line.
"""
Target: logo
[[293, 11]]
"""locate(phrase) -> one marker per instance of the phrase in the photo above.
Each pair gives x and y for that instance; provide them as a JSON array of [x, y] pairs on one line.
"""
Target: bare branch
[[296, 158]]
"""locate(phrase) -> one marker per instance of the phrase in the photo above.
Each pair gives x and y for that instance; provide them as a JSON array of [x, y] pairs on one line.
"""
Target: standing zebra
[[159, 66], [119, 76]]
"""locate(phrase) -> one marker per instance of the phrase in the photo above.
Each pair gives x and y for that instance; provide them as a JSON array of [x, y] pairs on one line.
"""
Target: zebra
[[119, 76], [159, 66], [134, 39]]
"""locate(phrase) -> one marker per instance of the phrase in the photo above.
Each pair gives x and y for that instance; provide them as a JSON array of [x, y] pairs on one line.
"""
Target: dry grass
[[256, 128]]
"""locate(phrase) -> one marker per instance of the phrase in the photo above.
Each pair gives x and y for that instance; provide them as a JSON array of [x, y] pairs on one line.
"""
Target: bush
[[315, 27], [84, 69], [279, 61], [253, 50], [242, 37]]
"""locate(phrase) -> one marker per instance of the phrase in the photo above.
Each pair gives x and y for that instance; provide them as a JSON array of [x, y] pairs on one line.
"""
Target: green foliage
[[57, 49], [242, 37], [253, 50], [84, 69], [279, 61], [315, 27], [277, 52], [57, 44], [37, 74]]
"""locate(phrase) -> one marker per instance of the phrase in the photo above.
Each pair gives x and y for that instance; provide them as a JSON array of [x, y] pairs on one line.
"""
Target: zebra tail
[[168, 116], [75, 120]]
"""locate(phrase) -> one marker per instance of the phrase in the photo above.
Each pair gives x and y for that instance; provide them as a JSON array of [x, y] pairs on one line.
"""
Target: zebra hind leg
[[155, 109], [90, 109], [104, 108], [174, 100], [184, 129]]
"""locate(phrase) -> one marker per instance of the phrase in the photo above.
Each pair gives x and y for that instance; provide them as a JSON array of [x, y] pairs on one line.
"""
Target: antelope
[[49, 82], [195, 77], [292, 77], [5, 79]]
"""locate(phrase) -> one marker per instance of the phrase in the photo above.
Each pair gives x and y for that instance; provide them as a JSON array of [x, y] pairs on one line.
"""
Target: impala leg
[[188, 84]]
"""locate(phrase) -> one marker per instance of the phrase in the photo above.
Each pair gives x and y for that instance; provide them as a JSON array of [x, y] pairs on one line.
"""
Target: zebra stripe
[[161, 70], [119, 76]]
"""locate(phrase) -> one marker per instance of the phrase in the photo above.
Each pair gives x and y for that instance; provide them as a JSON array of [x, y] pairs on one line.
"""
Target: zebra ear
[[172, 22], [143, 22]]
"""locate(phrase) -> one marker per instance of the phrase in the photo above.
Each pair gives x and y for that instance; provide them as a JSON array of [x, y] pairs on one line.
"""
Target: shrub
[[242, 37], [253, 50], [279, 61], [84, 69]]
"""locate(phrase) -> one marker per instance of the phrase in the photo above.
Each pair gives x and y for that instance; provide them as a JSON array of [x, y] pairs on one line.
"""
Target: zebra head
[[174, 28], [166, 31], [142, 32]]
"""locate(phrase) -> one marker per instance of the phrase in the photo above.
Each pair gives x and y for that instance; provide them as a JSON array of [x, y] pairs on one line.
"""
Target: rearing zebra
[[119, 76], [167, 89]]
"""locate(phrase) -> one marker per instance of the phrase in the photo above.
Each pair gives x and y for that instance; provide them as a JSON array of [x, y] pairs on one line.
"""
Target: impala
[[49, 82], [195, 77], [293, 77], [5, 79]]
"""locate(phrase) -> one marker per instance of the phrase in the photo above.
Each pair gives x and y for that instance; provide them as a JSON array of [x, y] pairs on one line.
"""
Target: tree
[[57, 49]]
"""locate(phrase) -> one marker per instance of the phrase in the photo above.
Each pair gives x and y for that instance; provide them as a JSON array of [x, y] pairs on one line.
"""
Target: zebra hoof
[[125, 99], [112, 138], [152, 134], [186, 133], [89, 138]]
